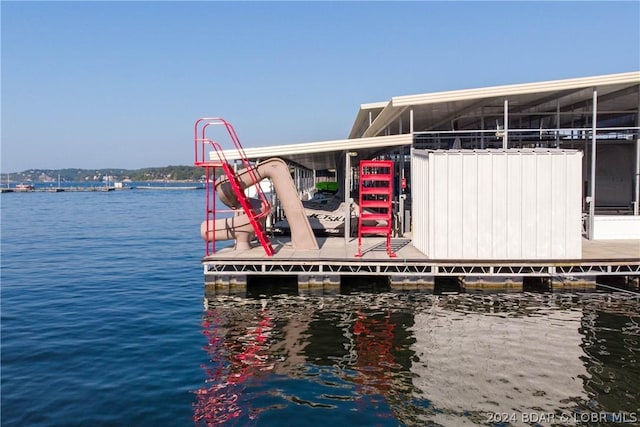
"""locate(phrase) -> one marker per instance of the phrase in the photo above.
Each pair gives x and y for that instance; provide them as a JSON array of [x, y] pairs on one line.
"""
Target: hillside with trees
[[166, 173]]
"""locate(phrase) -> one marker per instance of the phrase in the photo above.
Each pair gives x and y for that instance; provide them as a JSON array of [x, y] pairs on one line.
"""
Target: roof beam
[[386, 116], [361, 123], [457, 114], [544, 100], [604, 98]]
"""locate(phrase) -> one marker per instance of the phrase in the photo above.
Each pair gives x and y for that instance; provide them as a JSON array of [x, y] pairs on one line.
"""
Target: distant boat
[[157, 187], [25, 187]]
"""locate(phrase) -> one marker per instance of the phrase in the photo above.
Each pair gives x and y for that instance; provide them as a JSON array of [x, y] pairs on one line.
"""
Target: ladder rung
[[374, 230], [376, 190], [375, 216], [374, 204], [208, 164], [376, 177], [376, 164]]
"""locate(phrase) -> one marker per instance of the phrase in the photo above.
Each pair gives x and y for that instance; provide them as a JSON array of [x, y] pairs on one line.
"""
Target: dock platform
[[610, 261]]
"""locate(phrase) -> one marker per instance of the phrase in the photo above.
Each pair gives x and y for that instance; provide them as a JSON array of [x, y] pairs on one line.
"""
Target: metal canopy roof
[[570, 100], [322, 155], [436, 111]]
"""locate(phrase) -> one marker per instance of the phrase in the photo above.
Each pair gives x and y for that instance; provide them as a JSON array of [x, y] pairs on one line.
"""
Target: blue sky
[[119, 84]]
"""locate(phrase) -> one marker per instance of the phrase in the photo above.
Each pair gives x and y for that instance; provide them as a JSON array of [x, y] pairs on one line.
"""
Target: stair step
[[374, 204], [385, 191], [377, 164], [376, 177], [374, 230], [375, 216]]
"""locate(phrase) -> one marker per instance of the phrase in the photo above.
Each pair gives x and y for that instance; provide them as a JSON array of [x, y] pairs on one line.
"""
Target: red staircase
[[376, 201], [204, 148]]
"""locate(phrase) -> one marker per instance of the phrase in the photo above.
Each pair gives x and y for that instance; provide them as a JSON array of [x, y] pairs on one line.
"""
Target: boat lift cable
[[618, 289]]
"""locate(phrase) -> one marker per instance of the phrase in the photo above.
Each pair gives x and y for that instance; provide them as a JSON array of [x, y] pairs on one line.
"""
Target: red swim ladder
[[209, 155], [376, 201]]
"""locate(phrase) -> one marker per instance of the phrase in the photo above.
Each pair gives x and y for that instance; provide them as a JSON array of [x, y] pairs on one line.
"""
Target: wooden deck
[[610, 249]]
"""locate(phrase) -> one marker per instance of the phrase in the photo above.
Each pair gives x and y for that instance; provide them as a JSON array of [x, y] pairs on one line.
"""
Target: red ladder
[[200, 151], [376, 200], [210, 203]]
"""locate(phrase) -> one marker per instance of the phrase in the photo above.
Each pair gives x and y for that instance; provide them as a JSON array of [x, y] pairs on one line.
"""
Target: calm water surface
[[103, 323]]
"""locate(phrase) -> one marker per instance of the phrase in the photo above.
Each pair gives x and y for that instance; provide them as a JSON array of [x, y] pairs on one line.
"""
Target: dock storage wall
[[618, 227], [497, 204]]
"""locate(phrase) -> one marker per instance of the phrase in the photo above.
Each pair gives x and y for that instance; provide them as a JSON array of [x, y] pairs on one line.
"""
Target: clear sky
[[119, 84]]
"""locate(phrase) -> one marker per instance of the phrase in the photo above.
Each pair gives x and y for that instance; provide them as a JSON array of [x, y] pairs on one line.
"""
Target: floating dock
[[333, 265], [488, 189], [62, 189]]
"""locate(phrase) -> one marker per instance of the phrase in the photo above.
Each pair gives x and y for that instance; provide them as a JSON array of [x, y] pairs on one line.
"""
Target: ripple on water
[[388, 358], [102, 324]]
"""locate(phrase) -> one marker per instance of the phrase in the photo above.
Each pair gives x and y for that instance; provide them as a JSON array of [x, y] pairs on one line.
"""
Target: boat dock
[[334, 265], [533, 186], [62, 189]]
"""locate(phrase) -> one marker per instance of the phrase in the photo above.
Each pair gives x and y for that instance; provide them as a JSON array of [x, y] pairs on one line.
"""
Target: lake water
[[105, 321]]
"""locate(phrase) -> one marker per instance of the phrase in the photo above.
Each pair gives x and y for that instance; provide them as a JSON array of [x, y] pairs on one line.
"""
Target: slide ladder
[[376, 201], [210, 203], [201, 145]]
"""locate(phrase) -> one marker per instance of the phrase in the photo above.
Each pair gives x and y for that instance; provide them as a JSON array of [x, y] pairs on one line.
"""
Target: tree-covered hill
[[166, 173]]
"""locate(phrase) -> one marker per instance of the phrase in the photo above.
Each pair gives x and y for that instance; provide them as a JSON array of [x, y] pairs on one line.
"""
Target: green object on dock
[[330, 186]]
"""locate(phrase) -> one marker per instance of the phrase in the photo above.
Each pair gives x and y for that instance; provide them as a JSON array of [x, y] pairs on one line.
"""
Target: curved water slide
[[239, 228]]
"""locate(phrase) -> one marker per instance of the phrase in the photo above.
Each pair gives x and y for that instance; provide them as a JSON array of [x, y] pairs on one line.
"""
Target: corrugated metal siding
[[419, 200], [495, 204]]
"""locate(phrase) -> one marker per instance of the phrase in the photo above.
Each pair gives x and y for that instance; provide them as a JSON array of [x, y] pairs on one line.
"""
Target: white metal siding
[[617, 227], [497, 204], [419, 202]]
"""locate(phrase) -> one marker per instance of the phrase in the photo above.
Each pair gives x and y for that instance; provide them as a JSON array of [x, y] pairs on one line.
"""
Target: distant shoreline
[[150, 174], [98, 189], [51, 187]]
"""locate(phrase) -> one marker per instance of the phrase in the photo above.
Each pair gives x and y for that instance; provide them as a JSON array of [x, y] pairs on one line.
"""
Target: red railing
[[201, 152]]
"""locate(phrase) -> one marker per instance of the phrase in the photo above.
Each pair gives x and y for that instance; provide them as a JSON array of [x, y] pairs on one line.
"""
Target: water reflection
[[610, 332], [417, 359], [238, 352]]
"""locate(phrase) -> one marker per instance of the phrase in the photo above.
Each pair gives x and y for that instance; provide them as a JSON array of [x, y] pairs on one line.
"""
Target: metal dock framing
[[609, 262]]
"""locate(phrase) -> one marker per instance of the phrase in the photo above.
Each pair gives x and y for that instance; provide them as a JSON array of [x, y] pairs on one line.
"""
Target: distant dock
[[61, 189], [85, 189], [155, 187]]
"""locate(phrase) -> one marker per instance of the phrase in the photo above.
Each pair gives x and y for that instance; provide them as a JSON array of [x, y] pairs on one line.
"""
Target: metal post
[[557, 123], [520, 133], [482, 127], [636, 206], [592, 191], [400, 125], [505, 138], [315, 177], [411, 120], [400, 195], [347, 195]]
